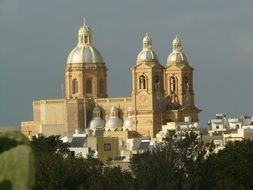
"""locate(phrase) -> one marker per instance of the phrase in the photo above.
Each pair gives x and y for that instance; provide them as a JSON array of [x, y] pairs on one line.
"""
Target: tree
[[171, 164], [231, 168], [57, 169]]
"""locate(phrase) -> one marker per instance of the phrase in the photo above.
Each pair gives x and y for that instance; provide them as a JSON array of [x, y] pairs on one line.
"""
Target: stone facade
[[160, 94]]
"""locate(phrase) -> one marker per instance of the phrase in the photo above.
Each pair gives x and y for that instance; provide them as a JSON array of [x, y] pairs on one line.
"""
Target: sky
[[37, 36]]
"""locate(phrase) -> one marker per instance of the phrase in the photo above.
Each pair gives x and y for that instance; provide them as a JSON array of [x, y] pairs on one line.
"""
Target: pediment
[[179, 67], [148, 65]]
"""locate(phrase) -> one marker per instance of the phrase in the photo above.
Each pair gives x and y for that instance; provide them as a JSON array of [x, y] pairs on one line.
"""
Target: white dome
[[113, 123], [177, 57], [127, 124], [97, 123], [85, 54], [146, 55]]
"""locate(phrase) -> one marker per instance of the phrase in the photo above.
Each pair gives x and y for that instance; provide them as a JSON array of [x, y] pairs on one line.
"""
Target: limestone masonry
[[160, 94]]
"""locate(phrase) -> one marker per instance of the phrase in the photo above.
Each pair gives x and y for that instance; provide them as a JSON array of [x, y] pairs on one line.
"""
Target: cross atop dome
[[84, 21]]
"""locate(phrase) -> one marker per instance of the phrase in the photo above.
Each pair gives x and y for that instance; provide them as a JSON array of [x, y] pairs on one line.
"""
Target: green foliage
[[16, 162], [231, 168], [178, 163], [49, 145], [169, 165], [57, 169]]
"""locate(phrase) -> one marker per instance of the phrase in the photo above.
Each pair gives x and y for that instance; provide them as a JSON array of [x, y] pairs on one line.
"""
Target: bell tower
[[85, 72], [178, 85], [147, 91]]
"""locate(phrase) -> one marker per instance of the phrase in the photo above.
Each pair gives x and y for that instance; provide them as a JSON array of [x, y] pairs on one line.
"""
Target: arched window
[[156, 82], [172, 84], [86, 39], [101, 86], [75, 86], [88, 86], [142, 82], [186, 83]]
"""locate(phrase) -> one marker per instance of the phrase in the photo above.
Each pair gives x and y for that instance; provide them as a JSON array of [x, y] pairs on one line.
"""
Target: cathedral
[[161, 93]]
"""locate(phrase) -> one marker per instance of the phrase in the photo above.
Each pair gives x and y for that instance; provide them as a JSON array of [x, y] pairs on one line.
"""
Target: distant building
[[7, 128], [223, 130], [218, 124]]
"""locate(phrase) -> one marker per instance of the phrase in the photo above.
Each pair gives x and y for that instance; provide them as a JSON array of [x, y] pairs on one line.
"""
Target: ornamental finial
[[84, 21]]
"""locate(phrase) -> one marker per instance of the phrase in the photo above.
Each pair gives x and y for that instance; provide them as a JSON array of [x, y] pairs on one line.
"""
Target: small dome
[[127, 125], [84, 52], [177, 55], [97, 123], [113, 123], [147, 53]]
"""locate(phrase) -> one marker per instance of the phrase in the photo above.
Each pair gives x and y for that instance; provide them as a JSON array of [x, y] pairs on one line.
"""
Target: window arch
[[101, 86], [186, 83], [142, 82], [173, 84], [88, 86], [86, 39], [156, 82], [75, 86]]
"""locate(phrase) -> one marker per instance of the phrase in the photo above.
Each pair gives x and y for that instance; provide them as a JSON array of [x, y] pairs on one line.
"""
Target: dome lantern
[[84, 35], [147, 43], [176, 44]]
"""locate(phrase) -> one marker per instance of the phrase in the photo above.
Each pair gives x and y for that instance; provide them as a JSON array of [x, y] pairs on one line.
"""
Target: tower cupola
[[147, 54], [177, 55]]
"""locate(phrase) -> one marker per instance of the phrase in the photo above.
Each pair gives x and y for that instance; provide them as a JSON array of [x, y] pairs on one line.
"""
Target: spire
[[147, 43], [177, 44], [84, 21]]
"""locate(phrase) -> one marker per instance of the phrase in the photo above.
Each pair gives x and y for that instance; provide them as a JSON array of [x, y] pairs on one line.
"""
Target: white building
[[218, 124]]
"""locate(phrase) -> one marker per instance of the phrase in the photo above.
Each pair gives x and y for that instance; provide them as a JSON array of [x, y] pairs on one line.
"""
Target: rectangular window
[[107, 147], [217, 127]]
